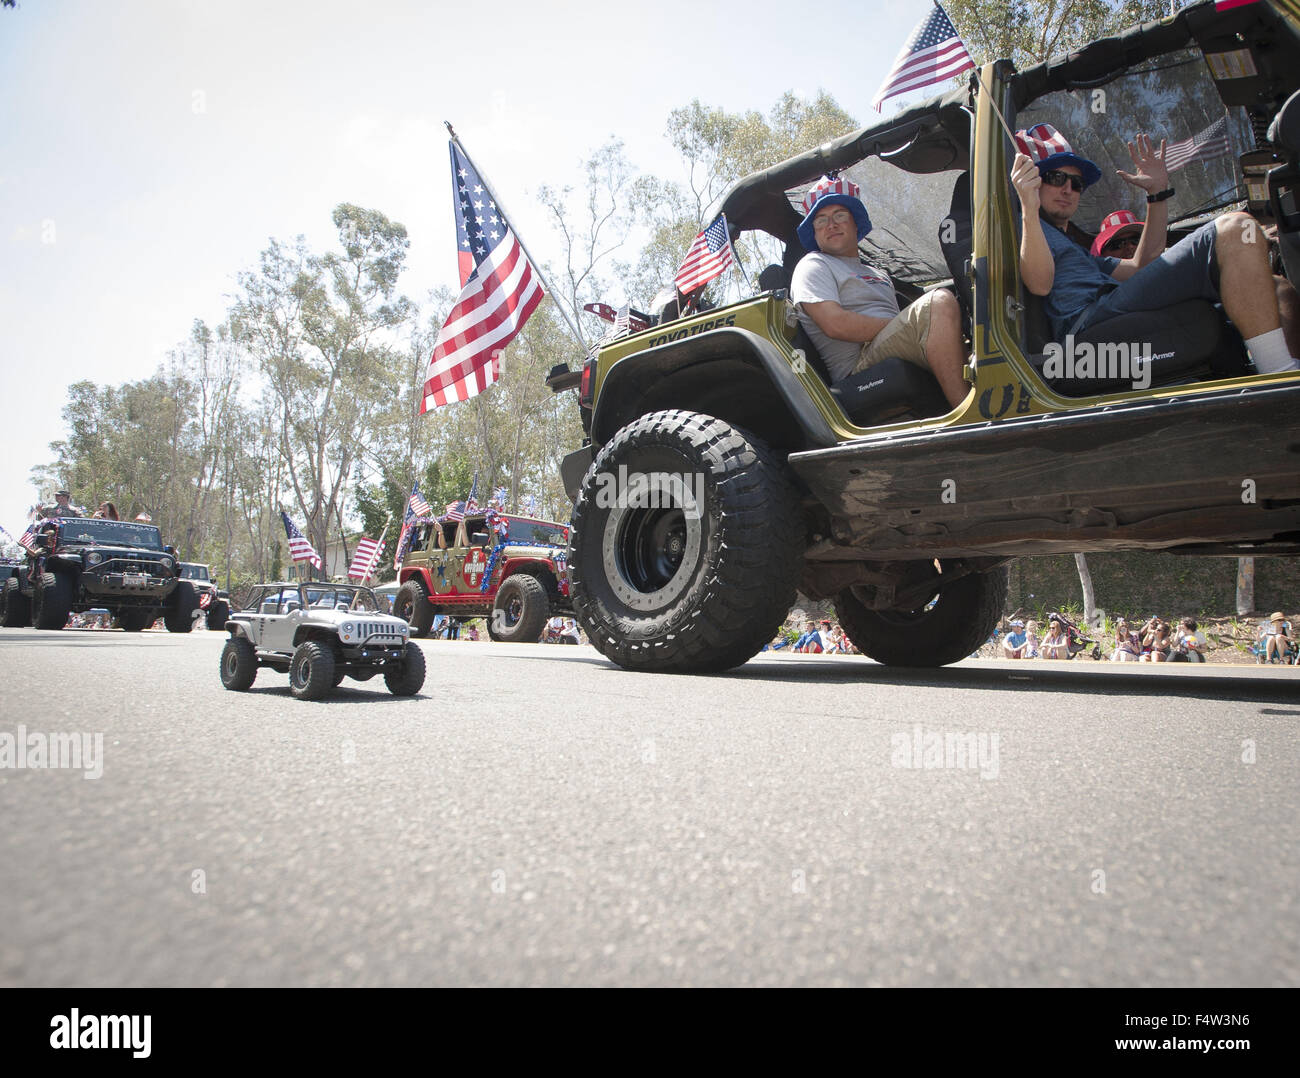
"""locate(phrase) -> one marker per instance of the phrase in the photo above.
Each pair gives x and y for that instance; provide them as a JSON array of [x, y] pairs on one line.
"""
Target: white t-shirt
[[855, 286]]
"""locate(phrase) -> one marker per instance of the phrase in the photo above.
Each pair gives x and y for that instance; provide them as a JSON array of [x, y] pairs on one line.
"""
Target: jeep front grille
[[129, 565], [376, 632]]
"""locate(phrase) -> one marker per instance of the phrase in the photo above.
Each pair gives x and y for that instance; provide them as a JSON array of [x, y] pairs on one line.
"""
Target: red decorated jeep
[[508, 569]]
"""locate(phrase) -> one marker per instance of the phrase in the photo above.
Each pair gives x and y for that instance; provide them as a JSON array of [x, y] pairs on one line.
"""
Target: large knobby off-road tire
[[521, 610], [53, 600], [135, 620], [218, 612], [238, 664], [952, 628], [311, 674], [18, 608], [407, 677], [660, 582], [412, 604], [178, 614]]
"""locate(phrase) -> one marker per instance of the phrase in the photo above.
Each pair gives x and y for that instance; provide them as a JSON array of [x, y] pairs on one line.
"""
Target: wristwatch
[[1160, 196]]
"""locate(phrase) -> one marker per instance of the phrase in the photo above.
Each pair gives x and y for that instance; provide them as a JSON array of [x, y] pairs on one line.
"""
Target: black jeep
[[82, 563], [759, 474]]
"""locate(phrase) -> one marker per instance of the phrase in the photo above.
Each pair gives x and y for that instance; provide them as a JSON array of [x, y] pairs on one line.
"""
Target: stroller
[[1075, 641]]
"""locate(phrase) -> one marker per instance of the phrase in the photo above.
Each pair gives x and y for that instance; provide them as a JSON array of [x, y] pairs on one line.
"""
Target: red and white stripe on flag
[[934, 53], [491, 310], [364, 560], [205, 600]]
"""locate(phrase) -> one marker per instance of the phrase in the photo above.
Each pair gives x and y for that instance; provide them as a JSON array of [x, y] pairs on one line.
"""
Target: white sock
[[1270, 353]]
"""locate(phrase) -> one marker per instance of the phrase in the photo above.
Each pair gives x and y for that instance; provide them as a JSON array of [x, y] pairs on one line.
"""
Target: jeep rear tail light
[[585, 386]]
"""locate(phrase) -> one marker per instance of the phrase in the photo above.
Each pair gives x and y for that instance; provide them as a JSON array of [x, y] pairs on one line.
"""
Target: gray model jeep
[[723, 466], [81, 564], [212, 601], [319, 634]]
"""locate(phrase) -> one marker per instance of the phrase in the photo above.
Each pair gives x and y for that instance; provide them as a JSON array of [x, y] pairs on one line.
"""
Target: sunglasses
[[1054, 177], [1128, 245]]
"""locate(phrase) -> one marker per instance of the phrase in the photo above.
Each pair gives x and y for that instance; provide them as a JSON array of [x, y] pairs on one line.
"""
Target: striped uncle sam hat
[[1113, 225], [1048, 149], [840, 191]]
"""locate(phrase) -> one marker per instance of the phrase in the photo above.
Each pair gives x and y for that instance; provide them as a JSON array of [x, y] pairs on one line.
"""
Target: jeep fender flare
[[422, 571], [761, 392], [237, 629], [538, 567]]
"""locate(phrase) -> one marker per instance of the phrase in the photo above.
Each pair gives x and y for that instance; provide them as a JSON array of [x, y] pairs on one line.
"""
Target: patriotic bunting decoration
[[499, 290], [300, 549], [710, 255], [934, 53], [499, 497]]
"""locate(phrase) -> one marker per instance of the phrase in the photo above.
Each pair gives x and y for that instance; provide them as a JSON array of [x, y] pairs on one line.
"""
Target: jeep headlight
[[167, 563], [94, 558], [347, 628]]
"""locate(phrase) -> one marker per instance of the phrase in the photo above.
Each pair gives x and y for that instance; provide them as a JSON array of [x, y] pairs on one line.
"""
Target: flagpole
[[537, 266]]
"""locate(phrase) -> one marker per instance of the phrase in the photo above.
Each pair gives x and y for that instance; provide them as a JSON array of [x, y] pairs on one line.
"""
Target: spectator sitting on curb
[[1189, 645], [1128, 644], [1056, 645], [1013, 644], [1031, 640], [1275, 637]]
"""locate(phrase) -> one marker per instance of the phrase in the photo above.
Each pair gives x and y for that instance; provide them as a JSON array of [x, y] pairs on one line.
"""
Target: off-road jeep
[[83, 563], [319, 634], [508, 569], [213, 602], [757, 475]]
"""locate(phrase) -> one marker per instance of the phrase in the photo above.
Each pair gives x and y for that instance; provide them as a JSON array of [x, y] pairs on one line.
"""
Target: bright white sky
[[150, 148]]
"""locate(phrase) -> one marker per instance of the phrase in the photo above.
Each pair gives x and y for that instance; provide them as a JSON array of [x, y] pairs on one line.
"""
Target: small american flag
[[499, 290], [299, 547], [366, 558], [205, 600], [709, 256], [1212, 142], [934, 53], [471, 503], [455, 511], [28, 539], [417, 503], [1041, 142], [499, 497]]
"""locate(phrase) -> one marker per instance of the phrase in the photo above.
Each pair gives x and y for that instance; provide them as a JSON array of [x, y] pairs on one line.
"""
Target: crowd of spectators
[[818, 638]]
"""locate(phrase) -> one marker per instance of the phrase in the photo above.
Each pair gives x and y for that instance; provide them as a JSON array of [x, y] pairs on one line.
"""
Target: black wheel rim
[[514, 611], [649, 553]]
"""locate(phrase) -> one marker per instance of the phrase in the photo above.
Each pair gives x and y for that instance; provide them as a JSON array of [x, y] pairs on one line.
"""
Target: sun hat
[[1277, 615], [1048, 149], [832, 192], [1114, 225]]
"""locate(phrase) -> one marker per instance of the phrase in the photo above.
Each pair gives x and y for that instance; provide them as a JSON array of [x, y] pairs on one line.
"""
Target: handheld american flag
[[1204, 145], [710, 255], [417, 503], [455, 511], [934, 53], [499, 290], [300, 549], [28, 539]]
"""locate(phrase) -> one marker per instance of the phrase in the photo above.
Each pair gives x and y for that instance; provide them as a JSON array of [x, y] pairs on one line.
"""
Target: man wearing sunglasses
[[1224, 261]]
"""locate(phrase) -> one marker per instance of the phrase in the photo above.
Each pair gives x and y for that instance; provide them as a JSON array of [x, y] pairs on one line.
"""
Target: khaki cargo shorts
[[903, 338]]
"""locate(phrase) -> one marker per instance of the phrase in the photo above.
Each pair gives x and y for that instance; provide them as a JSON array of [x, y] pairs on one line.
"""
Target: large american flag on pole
[[366, 558], [1212, 142], [300, 548], [499, 290], [934, 53], [709, 255]]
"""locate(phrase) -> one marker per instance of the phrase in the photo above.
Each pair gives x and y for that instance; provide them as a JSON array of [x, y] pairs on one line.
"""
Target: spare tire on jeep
[[662, 582]]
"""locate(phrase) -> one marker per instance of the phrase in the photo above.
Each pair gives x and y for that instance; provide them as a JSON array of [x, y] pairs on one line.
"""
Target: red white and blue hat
[[827, 192], [1113, 225], [1048, 149]]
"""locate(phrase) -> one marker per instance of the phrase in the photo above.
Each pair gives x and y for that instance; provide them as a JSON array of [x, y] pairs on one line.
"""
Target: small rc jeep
[[319, 634], [759, 475], [508, 569], [213, 602], [82, 563]]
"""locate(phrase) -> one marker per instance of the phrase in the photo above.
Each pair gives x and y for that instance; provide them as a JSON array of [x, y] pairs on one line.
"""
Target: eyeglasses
[[824, 220], [1054, 177]]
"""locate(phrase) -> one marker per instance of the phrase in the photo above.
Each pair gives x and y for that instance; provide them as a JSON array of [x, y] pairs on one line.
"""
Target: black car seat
[[891, 389]]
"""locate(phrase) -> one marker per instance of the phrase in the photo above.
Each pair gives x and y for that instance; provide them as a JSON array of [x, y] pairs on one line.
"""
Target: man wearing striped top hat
[[1224, 261], [849, 307]]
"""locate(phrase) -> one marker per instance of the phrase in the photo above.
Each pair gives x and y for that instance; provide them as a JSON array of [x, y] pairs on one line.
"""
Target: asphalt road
[[539, 817]]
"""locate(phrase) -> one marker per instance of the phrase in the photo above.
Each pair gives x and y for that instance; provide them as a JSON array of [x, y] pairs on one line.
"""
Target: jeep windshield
[[336, 597], [195, 572], [537, 533], [110, 533]]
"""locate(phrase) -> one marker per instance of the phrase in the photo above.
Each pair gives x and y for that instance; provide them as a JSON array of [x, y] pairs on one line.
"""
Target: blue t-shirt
[[1079, 279], [1016, 639]]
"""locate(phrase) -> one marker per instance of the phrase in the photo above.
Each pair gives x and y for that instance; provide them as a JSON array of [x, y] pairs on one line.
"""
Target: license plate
[[135, 580]]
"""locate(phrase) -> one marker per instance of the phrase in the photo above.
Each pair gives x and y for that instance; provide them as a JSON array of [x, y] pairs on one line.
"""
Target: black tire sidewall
[[320, 670], [536, 609]]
